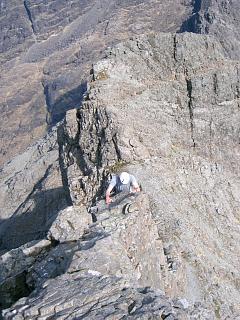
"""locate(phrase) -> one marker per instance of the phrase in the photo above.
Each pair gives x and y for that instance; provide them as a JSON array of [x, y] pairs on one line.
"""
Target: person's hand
[[108, 200], [136, 189]]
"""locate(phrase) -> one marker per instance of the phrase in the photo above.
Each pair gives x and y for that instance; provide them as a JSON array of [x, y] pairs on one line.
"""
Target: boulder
[[70, 224]]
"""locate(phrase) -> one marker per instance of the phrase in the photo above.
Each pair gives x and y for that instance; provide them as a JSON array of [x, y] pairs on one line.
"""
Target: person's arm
[[135, 185], [136, 188], [109, 190]]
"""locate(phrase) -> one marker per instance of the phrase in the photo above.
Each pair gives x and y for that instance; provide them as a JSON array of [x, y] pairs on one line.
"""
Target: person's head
[[124, 177]]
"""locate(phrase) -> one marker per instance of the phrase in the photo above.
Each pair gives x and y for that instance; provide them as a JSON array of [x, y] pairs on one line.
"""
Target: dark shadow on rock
[[33, 218], [193, 23], [49, 264], [62, 166], [13, 289], [59, 258], [70, 100]]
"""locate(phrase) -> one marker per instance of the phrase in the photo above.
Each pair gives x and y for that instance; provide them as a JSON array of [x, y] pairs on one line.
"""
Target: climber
[[124, 182]]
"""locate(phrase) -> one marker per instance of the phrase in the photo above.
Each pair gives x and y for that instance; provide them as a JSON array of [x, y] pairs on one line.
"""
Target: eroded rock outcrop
[[165, 108], [219, 18], [107, 272], [88, 146], [70, 224], [47, 52], [13, 270], [174, 104], [94, 296], [130, 249]]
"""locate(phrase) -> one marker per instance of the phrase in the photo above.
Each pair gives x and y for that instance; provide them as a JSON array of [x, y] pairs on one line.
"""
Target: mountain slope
[[47, 53], [164, 107]]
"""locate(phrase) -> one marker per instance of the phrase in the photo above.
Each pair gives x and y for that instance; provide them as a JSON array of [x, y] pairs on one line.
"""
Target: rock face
[[100, 297], [219, 18], [90, 154], [68, 226], [47, 51], [13, 270], [31, 193], [164, 107], [108, 271], [130, 247], [173, 104]]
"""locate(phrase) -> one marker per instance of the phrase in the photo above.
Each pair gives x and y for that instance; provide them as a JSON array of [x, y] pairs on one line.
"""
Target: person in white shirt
[[124, 182]]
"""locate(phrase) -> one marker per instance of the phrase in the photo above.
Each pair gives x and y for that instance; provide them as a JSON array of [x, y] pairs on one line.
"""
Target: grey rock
[[121, 245], [124, 246], [218, 18], [165, 108], [47, 52], [129, 247], [182, 303], [53, 264], [13, 269], [180, 163], [172, 101], [15, 37], [81, 154], [31, 193], [70, 224], [94, 297], [39, 20]]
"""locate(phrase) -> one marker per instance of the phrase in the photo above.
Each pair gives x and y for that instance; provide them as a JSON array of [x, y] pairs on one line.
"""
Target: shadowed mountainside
[[48, 51]]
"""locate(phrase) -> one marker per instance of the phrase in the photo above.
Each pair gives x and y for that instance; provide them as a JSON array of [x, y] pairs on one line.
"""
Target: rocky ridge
[[166, 108], [100, 272], [47, 52], [174, 103]]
